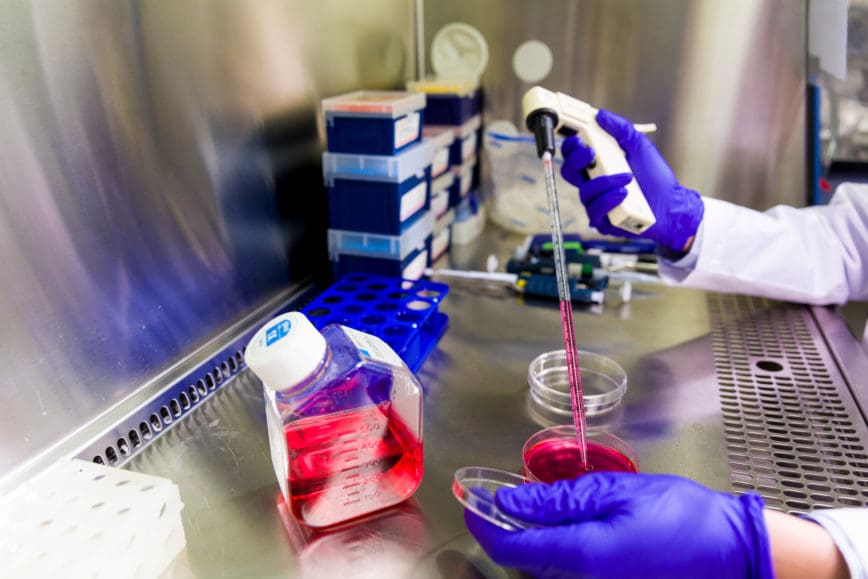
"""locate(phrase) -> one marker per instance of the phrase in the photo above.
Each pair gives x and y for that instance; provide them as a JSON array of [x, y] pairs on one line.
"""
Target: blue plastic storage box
[[463, 183], [377, 193], [448, 102], [441, 188], [466, 140], [404, 255], [373, 122], [441, 144], [440, 239]]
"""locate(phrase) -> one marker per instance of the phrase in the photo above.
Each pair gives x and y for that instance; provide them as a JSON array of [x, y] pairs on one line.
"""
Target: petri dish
[[553, 454], [474, 487], [604, 382]]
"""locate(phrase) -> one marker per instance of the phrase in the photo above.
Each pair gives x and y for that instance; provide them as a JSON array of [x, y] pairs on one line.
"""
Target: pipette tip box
[[404, 255], [377, 193], [441, 144], [442, 237], [441, 189], [373, 122], [448, 102], [403, 313], [463, 183], [466, 137], [410, 267]]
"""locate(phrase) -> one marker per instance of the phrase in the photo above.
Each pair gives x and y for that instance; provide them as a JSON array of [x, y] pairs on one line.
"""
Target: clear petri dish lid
[[604, 382], [474, 487]]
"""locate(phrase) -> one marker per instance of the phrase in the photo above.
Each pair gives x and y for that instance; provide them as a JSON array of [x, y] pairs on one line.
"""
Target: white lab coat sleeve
[[809, 255], [849, 529]]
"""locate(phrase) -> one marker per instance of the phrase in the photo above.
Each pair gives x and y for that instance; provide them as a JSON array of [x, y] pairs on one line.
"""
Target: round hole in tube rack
[[433, 294]]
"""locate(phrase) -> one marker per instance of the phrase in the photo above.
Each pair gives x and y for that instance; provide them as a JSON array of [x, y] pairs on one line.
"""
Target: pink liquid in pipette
[[560, 459], [577, 398], [567, 327], [377, 464]]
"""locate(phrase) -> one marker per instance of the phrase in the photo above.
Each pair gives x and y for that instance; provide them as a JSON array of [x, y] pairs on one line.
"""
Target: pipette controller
[[547, 112], [527, 284]]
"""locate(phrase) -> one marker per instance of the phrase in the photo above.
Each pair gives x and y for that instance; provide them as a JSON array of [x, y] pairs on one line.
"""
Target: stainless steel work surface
[[702, 368]]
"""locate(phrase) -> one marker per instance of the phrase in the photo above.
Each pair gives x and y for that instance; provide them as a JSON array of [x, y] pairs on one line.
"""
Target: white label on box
[[416, 268], [372, 347], [440, 162], [440, 203], [439, 244], [277, 443], [413, 200], [466, 180], [407, 129], [468, 146]]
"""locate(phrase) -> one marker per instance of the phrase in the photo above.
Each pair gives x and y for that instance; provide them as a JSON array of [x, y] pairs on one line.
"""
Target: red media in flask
[[344, 418], [347, 464]]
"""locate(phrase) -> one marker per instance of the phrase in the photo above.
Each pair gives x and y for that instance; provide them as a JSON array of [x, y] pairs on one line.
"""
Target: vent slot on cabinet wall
[[793, 433], [176, 402]]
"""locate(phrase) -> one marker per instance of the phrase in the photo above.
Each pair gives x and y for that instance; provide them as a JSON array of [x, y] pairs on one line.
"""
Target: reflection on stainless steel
[[159, 179], [386, 544], [461, 558], [476, 414], [724, 81]]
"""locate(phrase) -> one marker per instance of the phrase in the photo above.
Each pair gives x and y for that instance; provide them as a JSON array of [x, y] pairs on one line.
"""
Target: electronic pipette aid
[[548, 112]]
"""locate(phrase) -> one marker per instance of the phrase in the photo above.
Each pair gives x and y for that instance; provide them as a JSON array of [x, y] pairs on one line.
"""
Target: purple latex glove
[[628, 525], [678, 210]]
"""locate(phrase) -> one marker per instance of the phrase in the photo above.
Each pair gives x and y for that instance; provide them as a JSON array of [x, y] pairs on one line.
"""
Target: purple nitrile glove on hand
[[610, 524], [678, 210]]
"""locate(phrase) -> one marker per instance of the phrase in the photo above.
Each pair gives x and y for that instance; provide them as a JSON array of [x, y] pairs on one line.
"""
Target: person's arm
[[809, 255], [848, 527], [645, 525], [800, 548]]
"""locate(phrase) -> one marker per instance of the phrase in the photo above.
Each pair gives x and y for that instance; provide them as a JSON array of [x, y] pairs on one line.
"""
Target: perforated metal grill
[[793, 432]]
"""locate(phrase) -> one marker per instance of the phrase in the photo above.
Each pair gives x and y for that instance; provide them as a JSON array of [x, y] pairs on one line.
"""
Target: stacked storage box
[[441, 191], [378, 173], [453, 107]]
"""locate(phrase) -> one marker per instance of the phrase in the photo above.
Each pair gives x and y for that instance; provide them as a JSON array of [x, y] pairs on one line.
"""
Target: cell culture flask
[[344, 419]]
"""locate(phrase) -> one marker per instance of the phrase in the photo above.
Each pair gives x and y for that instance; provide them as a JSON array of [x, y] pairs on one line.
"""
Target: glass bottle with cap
[[344, 419]]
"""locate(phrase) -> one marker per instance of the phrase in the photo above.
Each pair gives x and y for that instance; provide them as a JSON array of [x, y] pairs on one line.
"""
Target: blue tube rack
[[405, 314]]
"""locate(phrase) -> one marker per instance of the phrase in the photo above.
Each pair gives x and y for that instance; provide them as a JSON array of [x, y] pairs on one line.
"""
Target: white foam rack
[[81, 519]]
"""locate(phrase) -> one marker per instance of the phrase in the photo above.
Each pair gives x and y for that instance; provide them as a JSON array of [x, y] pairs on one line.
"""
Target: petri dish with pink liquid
[[553, 454]]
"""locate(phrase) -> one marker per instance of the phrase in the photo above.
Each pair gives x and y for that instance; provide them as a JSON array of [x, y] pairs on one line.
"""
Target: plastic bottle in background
[[344, 419]]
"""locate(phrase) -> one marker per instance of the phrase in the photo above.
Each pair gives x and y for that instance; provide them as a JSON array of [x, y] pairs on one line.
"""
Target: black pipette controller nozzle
[[542, 123]]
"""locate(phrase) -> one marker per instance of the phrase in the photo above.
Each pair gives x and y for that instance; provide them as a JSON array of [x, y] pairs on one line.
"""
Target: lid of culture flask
[[285, 351]]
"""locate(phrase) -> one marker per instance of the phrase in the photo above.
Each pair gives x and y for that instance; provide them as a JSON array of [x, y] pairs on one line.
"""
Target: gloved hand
[[678, 210], [628, 525]]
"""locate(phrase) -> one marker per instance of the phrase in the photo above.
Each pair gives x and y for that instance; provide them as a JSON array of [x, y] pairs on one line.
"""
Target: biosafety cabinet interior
[[162, 196]]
